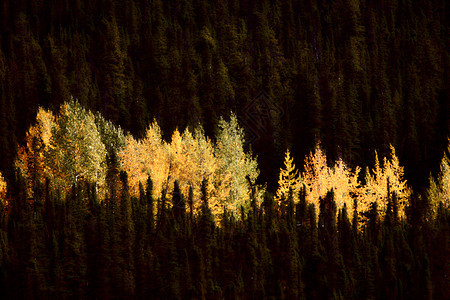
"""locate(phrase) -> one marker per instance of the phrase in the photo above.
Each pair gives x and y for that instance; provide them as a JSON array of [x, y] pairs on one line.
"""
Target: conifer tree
[[139, 216], [150, 206], [346, 186], [57, 69], [125, 238], [73, 246], [383, 180], [179, 205], [328, 236], [8, 117], [289, 180], [114, 89]]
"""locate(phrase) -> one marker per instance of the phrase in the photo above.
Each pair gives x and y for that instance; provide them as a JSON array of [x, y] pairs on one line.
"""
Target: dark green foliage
[[73, 246], [359, 75]]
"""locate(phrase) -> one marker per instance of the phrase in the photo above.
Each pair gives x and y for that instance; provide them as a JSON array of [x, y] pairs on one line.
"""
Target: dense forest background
[[142, 147], [357, 75]]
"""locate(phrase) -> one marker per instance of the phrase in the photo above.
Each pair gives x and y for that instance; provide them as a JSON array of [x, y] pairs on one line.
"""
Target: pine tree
[[125, 239], [328, 236], [150, 206], [179, 206], [113, 81], [57, 69], [73, 245]]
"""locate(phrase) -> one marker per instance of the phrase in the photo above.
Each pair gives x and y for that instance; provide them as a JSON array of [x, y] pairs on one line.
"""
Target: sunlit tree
[[316, 176], [112, 137], [319, 178], [146, 157], [180, 160], [289, 180], [31, 161], [236, 168], [439, 190], [384, 181], [346, 186], [2, 190], [76, 152], [199, 163]]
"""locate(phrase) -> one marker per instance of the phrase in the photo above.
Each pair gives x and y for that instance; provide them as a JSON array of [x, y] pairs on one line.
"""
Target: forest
[[224, 149]]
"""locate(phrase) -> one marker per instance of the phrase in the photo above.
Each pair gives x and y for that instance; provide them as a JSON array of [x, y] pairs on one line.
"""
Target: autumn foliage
[[439, 189], [2, 189], [192, 158], [77, 146], [96, 211], [319, 177]]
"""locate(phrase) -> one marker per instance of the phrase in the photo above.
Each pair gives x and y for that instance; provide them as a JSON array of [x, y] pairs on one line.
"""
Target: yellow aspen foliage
[[76, 152], [144, 158], [346, 186], [203, 158], [74, 145], [439, 190], [187, 158], [199, 163], [2, 190], [180, 161], [384, 179], [156, 158], [30, 161], [316, 177], [236, 169], [133, 162], [288, 180]]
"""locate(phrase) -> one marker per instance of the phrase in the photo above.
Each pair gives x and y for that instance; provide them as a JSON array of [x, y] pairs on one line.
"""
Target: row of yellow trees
[[76, 145], [318, 178], [192, 158], [381, 183]]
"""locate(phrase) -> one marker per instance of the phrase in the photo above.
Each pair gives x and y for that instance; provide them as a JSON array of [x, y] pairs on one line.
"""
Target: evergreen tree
[[289, 179]]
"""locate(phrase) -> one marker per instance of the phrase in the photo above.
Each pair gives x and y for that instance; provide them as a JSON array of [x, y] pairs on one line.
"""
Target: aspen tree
[[316, 177], [31, 160], [146, 157], [237, 169], [76, 152], [202, 163]]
